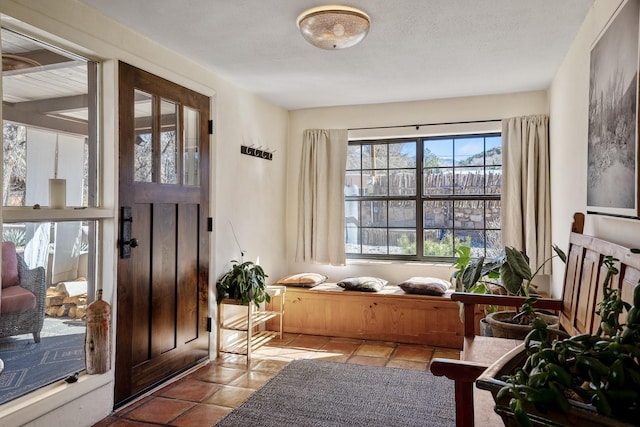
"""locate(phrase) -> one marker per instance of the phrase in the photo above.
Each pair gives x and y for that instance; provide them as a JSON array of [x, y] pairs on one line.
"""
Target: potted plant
[[516, 325], [244, 282], [508, 274], [587, 380], [474, 275]]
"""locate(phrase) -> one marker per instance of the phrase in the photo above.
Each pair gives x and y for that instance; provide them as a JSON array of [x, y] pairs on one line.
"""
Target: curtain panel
[[321, 197], [526, 202]]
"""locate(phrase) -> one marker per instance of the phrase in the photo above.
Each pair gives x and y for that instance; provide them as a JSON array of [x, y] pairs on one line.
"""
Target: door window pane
[[143, 151], [168, 142], [191, 155]]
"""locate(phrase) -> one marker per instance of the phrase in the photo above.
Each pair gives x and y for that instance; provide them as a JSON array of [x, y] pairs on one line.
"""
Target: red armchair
[[22, 301]]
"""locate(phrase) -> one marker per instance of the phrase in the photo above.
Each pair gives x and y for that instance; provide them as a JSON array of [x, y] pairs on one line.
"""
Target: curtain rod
[[419, 125]]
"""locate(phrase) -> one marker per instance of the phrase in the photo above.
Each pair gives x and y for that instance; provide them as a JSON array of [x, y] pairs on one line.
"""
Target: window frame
[[100, 210], [419, 198], [94, 211]]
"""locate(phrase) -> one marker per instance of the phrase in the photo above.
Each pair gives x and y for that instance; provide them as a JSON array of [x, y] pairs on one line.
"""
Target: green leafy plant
[[17, 237], [509, 273], [245, 282], [526, 314], [601, 369], [509, 270]]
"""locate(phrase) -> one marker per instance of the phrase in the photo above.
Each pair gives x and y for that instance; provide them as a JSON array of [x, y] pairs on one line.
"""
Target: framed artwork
[[612, 171]]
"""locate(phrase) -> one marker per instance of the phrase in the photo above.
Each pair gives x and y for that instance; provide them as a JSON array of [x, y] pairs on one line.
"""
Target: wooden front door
[[163, 268]]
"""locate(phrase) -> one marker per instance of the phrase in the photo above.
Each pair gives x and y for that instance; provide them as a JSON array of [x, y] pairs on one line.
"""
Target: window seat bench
[[387, 315]]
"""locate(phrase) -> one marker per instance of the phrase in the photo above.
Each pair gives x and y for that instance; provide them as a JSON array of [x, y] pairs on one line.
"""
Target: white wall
[[568, 105], [437, 111], [247, 190]]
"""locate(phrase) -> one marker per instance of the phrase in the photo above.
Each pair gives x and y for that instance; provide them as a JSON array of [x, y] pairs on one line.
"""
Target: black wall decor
[[256, 152]]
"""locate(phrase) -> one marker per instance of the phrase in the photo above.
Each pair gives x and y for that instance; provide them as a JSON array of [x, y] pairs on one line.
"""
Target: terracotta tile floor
[[205, 395]]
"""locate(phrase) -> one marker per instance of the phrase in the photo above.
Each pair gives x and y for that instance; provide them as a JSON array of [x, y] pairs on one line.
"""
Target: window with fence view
[[421, 198]]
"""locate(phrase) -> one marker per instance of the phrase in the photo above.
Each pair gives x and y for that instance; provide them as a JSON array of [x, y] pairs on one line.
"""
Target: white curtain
[[526, 203], [321, 197]]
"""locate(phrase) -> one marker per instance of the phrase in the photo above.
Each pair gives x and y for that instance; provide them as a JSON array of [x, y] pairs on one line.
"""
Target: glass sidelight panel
[[191, 153], [33, 155], [57, 260], [143, 152], [168, 142]]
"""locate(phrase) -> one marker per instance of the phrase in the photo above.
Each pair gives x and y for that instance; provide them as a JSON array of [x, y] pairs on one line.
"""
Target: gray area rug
[[319, 393], [29, 365]]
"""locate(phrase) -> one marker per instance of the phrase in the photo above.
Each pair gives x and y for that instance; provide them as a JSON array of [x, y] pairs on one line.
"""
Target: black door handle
[[126, 241]]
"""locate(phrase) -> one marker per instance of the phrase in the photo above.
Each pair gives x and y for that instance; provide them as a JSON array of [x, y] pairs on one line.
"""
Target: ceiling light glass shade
[[12, 62], [334, 27]]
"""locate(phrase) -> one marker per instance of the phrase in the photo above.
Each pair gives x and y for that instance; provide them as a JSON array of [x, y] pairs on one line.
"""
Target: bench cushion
[[364, 284], [16, 299], [304, 280], [425, 286]]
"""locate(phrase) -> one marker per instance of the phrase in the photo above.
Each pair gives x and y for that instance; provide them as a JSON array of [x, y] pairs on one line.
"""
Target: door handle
[[126, 241]]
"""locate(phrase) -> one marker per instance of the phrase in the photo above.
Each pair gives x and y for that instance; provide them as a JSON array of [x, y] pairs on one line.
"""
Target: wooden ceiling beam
[[55, 105], [13, 113]]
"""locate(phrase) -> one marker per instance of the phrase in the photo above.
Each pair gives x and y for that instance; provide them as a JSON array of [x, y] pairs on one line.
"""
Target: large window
[[50, 128], [421, 198]]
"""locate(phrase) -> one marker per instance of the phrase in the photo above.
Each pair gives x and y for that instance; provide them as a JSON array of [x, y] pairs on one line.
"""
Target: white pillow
[[303, 280]]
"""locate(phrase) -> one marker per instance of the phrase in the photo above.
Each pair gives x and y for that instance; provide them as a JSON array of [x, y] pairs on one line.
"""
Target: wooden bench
[[388, 315], [582, 291]]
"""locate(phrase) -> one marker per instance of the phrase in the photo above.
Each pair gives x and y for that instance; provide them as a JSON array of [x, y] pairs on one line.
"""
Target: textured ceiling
[[415, 50]]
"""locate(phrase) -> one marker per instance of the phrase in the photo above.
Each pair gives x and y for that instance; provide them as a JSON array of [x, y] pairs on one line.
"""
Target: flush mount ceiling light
[[334, 27]]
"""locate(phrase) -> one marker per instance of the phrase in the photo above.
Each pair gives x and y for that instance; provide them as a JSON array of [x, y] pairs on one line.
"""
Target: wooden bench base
[[388, 315], [478, 354]]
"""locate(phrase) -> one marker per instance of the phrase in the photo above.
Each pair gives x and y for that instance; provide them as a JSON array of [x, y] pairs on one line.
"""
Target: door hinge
[[209, 323], [210, 127], [209, 224]]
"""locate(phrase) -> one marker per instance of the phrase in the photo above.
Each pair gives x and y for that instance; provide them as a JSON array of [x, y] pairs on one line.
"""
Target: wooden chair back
[[585, 275]]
